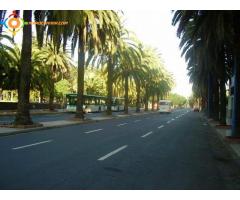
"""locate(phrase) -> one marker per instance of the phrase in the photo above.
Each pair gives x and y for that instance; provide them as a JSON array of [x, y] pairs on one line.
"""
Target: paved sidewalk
[[223, 133], [4, 131]]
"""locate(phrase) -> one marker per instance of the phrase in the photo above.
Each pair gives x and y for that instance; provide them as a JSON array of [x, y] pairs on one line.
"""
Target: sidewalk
[[4, 131], [232, 144]]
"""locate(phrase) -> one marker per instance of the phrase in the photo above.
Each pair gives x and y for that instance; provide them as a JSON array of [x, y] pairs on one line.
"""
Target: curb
[[87, 121]]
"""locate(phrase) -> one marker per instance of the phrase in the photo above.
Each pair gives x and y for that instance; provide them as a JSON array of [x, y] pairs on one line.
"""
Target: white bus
[[165, 106], [94, 103]]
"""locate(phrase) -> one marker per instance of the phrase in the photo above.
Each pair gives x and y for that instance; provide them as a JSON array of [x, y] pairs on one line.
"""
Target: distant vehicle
[[165, 106], [94, 103], [196, 109]]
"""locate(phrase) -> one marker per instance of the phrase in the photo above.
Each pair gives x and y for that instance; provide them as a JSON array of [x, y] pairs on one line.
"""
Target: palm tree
[[129, 63], [23, 114], [219, 32], [6, 65], [57, 64], [91, 29]]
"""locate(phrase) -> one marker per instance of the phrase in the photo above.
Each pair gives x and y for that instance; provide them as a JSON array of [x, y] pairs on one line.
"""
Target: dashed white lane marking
[[161, 126], [177, 117], [138, 120], [122, 124], [168, 122], [93, 131], [112, 153], [147, 134], [29, 145], [172, 119]]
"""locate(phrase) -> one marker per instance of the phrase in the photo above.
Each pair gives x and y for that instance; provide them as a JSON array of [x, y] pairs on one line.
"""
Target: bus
[[94, 103], [165, 106]]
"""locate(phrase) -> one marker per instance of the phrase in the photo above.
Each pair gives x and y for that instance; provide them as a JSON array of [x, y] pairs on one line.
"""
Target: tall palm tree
[[219, 31], [129, 63], [91, 30], [23, 114]]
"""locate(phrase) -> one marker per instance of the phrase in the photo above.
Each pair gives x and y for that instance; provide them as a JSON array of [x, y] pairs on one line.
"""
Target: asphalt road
[[153, 151]]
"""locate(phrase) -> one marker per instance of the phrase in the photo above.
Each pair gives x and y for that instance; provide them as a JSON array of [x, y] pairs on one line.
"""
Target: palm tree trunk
[[126, 94], [109, 86], [23, 114], [146, 98], [216, 100], [158, 96], [223, 101], [41, 94], [138, 96], [210, 96], [236, 103], [1, 94], [51, 96], [153, 99], [80, 81]]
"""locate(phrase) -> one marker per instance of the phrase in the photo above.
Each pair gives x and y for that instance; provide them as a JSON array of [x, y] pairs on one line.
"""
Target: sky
[[154, 28]]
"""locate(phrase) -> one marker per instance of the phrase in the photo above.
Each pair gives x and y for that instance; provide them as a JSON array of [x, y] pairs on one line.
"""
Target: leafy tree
[[177, 100]]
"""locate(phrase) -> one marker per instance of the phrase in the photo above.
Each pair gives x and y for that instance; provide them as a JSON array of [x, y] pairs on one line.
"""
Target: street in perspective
[[90, 101]]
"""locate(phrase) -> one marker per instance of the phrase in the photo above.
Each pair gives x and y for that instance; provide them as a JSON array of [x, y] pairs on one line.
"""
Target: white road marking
[[112, 153], [122, 124], [172, 119], [168, 122], [161, 126], [93, 131], [177, 117], [29, 145], [138, 120], [147, 134]]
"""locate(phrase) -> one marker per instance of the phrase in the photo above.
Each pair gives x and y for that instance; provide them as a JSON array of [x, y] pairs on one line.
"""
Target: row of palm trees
[[100, 39], [210, 42]]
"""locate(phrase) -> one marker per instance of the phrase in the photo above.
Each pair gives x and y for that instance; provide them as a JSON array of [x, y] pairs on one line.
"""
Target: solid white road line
[[93, 131], [138, 120], [161, 126], [122, 124], [112, 153], [29, 145], [147, 134]]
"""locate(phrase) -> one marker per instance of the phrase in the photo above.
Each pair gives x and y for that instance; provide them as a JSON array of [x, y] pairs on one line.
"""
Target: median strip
[[93, 131], [29, 145], [112, 153], [147, 134]]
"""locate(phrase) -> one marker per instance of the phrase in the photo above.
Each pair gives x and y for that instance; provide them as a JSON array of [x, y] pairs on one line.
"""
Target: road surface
[[152, 151]]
